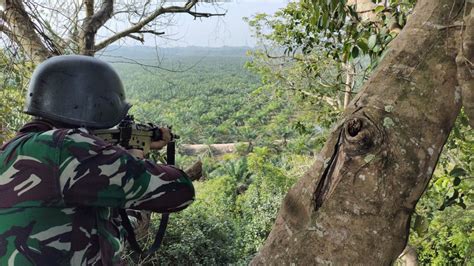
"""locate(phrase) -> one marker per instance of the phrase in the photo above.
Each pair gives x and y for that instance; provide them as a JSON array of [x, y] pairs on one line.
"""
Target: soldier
[[60, 186]]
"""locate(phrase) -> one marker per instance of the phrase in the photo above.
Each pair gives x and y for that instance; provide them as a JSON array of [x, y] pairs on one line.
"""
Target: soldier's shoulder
[[81, 136], [65, 136], [58, 135]]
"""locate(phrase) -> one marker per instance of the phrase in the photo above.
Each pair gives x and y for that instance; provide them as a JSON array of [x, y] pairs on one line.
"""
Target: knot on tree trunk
[[358, 142], [360, 136], [354, 126]]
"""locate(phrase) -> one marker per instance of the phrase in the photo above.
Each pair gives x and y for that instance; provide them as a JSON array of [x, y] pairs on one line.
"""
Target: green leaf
[[388, 39], [355, 52], [457, 171], [377, 48], [464, 121], [442, 207], [379, 9], [324, 20], [316, 16], [372, 41], [401, 20], [362, 43], [455, 195], [346, 51], [456, 181], [421, 225]]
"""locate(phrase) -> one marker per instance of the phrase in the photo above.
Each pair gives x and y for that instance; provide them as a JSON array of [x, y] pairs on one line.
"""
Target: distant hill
[[147, 54]]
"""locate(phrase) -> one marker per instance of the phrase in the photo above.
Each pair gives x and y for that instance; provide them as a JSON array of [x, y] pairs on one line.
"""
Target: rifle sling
[[170, 159], [132, 238]]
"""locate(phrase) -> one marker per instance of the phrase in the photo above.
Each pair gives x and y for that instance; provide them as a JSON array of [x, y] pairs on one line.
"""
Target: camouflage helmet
[[77, 90]]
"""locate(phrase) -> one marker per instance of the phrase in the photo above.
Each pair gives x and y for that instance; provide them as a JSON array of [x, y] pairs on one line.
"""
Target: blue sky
[[229, 30]]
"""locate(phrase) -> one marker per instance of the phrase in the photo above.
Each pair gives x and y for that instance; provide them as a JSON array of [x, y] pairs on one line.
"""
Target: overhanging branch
[[157, 33], [137, 28], [138, 38]]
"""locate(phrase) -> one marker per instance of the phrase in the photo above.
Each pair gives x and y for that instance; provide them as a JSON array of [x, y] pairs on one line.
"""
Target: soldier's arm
[[95, 173]]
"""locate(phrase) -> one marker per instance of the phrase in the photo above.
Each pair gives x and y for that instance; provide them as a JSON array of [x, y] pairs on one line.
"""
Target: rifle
[[131, 135]]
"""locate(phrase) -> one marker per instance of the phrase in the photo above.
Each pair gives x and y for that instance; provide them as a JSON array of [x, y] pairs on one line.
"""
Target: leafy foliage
[[12, 80], [335, 27], [324, 49], [443, 227]]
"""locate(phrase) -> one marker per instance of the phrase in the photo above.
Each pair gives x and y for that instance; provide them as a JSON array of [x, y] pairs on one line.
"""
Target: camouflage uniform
[[59, 194]]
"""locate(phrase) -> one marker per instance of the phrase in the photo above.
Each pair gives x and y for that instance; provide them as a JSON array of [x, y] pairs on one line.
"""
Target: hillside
[[210, 97]]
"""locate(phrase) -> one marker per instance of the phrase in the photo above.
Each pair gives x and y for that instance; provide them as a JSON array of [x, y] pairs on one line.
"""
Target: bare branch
[[204, 15], [138, 38], [73, 41], [92, 23], [56, 27], [160, 11], [104, 14], [157, 33], [41, 27], [6, 30], [66, 17], [89, 7]]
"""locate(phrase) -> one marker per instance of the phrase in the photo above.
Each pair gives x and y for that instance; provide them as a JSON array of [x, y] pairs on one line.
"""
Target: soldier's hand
[[137, 153], [165, 138]]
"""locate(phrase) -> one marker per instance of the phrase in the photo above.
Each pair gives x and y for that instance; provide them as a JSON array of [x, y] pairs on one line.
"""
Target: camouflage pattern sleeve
[[95, 173], [59, 192]]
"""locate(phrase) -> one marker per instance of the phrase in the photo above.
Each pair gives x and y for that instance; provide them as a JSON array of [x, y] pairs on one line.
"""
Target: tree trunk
[[350, 72], [214, 149], [92, 23], [409, 257], [354, 205], [23, 31], [465, 62]]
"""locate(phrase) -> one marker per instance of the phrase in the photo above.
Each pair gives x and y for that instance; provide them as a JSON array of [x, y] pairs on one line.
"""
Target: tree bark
[[409, 257], [214, 149], [25, 28], [364, 9], [465, 63], [92, 23], [22, 31], [354, 205], [349, 83], [194, 172]]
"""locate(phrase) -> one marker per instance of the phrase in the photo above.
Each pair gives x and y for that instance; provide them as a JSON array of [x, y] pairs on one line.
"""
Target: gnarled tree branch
[[92, 23], [160, 11], [22, 31]]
